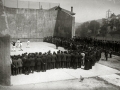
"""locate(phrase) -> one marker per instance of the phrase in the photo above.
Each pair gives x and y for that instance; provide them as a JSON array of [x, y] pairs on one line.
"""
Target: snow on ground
[[56, 74]]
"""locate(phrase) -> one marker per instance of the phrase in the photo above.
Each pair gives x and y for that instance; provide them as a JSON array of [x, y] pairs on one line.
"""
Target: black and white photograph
[[59, 44]]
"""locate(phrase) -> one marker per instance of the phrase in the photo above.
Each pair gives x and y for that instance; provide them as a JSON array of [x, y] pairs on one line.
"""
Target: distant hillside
[[100, 21], [77, 24]]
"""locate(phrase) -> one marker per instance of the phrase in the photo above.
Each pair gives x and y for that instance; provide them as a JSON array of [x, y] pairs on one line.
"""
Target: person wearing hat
[[68, 60], [79, 59], [54, 60], [76, 60], [32, 63], [72, 59], [27, 64], [106, 54], [24, 58], [44, 62], [48, 57], [58, 60], [38, 64], [87, 61], [15, 63], [20, 63], [62, 59]]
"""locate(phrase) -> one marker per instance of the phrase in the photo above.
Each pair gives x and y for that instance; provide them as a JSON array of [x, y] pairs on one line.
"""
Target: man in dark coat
[[64, 59], [53, 60], [44, 62], [48, 57], [38, 63], [27, 63], [72, 59], [76, 60], [106, 54], [24, 58], [87, 61], [15, 63], [62, 62], [13, 68], [58, 59], [110, 53], [79, 60], [20, 63], [68, 60], [32, 63]]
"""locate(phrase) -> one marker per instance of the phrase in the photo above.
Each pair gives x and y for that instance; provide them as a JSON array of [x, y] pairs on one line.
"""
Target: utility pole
[[29, 32], [59, 5], [108, 13], [39, 5], [17, 16]]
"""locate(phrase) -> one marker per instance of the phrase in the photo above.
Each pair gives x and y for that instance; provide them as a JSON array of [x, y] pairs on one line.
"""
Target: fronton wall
[[30, 23]]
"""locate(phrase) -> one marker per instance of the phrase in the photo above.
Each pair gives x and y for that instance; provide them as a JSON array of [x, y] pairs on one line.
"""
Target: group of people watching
[[107, 46], [28, 63], [79, 52]]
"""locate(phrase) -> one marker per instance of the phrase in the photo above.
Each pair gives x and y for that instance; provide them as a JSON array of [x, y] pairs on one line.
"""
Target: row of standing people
[[74, 43], [92, 53], [81, 44], [109, 45], [28, 63]]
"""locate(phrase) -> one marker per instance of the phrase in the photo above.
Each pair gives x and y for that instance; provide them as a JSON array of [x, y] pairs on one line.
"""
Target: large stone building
[[35, 24]]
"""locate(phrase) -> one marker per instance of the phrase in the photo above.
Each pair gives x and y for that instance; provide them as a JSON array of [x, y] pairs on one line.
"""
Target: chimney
[[72, 9], [41, 7]]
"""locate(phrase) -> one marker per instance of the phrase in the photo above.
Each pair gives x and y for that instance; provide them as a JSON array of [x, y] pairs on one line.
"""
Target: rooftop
[[59, 8]]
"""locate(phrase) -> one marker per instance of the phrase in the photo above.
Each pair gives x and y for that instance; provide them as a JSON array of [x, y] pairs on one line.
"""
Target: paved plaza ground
[[105, 75]]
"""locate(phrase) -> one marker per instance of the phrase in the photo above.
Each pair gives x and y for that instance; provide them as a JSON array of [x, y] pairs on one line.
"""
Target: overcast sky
[[85, 9]]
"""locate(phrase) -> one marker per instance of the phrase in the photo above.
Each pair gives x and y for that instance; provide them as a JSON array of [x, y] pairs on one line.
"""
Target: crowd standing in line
[[107, 46], [80, 52]]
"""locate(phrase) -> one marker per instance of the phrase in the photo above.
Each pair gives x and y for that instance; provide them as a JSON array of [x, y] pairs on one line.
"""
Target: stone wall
[[63, 27], [30, 23], [35, 24], [5, 68]]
